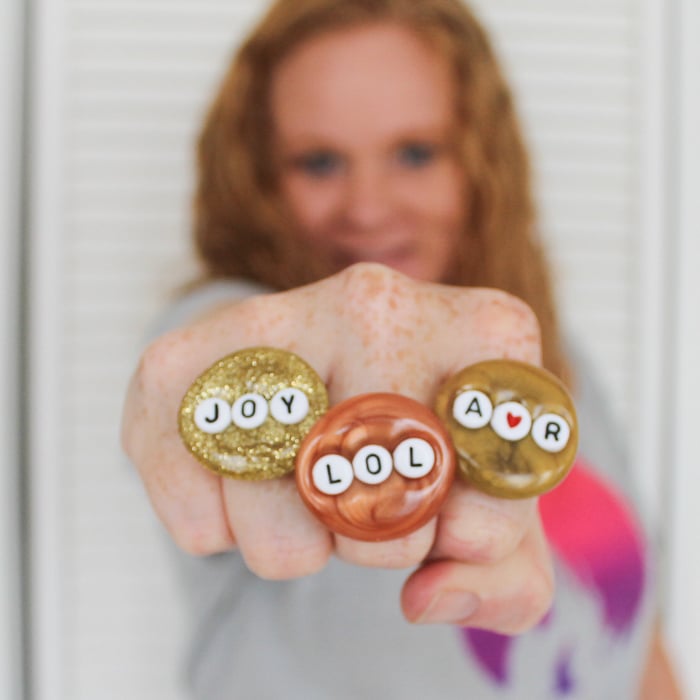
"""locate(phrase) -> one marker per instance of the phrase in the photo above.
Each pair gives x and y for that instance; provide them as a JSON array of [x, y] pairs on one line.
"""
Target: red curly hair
[[241, 226]]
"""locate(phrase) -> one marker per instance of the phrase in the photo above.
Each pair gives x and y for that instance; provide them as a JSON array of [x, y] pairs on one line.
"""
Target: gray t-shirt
[[340, 634]]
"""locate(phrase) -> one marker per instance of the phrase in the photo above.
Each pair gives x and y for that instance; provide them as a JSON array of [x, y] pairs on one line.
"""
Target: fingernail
[[450, 607]]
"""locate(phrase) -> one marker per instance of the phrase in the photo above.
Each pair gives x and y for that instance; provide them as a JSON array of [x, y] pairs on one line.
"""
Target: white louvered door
[[121, 87], [683, 513], [11, 75]]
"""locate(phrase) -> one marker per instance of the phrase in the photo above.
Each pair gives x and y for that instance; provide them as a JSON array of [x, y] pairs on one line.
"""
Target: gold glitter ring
[[246, 415]]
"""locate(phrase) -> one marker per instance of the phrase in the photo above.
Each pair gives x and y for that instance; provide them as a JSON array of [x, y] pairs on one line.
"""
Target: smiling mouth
[[391, 257]]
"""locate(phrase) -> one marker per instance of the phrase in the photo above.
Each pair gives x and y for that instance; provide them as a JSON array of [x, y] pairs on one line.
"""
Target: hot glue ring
[[513, 426], [376, 467], [246, 416]]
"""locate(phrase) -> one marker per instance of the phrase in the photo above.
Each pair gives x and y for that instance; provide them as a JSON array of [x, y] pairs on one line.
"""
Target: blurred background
[[100, 101]]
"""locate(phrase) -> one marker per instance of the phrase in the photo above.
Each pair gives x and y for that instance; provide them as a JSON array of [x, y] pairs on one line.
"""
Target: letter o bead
[[376, 467]]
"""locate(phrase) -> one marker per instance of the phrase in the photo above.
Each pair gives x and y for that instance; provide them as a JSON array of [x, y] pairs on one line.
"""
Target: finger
[[377, 468], [477, 528], [509, 597], [277, 537], [186, 498], [189, 503]]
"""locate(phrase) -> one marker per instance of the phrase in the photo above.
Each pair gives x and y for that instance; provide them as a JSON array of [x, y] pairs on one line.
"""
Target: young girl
[[364, 201]]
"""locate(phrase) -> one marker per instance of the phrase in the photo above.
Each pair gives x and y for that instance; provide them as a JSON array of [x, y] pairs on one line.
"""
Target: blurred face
[[364, 125]]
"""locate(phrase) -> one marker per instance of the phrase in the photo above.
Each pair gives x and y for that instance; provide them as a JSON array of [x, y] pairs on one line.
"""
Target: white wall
[[45, 87], [120, 88]]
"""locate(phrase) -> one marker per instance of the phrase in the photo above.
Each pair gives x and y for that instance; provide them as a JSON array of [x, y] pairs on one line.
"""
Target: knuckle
[[378, 305], [200, 541], [504, 316], [480, 535], [195, 523], [404, 553], [284, 559], [150, 380], [485, 547], [374, 292], [534, 601], [364, 277], [157, 361], [539, 594]]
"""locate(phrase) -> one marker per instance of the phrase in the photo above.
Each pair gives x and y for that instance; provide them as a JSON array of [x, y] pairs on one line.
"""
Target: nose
[[369, 200]]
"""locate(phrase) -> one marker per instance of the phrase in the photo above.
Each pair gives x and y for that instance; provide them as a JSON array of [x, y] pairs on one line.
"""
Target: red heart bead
[[513, 420]]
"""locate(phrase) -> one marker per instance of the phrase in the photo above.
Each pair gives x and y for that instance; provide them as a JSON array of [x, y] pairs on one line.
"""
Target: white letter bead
[[250, 411], [511, 421], [472, 409], [332, 475], [551, 432], [372, 464], [414, 458], [289, 406], [212, 416]]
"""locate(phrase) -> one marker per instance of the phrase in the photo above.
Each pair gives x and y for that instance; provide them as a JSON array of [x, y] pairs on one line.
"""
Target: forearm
[[659, 681]]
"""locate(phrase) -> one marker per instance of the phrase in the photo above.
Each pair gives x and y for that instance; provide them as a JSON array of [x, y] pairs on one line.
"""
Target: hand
[[483, 561]]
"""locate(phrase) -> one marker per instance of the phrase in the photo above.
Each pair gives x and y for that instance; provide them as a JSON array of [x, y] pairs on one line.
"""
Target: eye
[[318, 164], [417, 154]]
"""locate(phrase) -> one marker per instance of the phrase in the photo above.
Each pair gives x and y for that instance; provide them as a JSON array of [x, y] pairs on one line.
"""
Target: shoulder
[[190, 304]]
